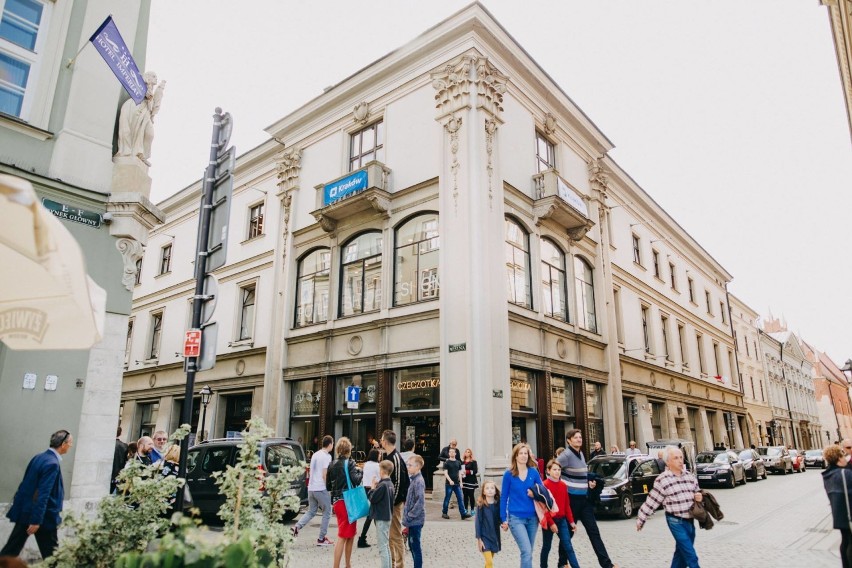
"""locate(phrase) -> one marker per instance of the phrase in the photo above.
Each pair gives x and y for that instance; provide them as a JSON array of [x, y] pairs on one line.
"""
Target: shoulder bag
[[355, 498]]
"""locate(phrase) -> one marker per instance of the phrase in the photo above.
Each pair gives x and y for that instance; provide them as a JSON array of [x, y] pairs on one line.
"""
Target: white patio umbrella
[[47, 301]]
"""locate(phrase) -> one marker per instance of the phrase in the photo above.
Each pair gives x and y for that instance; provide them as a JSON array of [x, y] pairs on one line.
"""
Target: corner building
[[446, 229]]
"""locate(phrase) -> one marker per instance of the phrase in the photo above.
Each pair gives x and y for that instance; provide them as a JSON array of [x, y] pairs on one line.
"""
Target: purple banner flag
[[109, 43]]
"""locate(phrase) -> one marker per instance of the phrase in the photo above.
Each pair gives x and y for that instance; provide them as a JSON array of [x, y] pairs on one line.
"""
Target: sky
[[730, 114]]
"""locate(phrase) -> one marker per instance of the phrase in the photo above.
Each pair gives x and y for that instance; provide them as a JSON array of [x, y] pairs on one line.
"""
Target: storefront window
[[416, 268], [147, 418], [237, 413], [417, 389], [522, 386], [594, 408], [657, 419], [369, 392], [562, 399], [305, 398]]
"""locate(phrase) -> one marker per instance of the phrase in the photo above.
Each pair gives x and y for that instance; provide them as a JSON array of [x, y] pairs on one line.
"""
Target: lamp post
[[206, 394]]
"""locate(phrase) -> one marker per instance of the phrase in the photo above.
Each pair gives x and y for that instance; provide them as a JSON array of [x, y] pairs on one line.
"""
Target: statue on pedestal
[[136, 122]]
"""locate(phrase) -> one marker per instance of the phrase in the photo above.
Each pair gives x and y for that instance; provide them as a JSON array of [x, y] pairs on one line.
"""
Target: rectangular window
[[148, 414], [128, 342], [732, 370], [665, 337], [156, 334], [247, 311], [751, 380], [545, 153], [717, 359], [707, 301], [255, 226], [722, 312], [166, 259], [681, 338], [673, 276], [637, 252], [762, 395], [702, 367], [691, 287], [748, 353], [367, 145], [656, 257], [138, 272], [646, 332], [619, 320], [21, 31]]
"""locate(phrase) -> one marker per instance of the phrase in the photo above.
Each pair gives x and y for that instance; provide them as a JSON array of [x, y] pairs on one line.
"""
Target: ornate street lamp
[[206, 394]]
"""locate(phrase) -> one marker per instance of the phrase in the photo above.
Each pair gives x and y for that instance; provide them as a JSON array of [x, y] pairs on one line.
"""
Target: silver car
[[776, 458]]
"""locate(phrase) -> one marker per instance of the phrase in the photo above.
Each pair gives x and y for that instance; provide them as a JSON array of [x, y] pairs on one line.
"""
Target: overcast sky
[[729, 114]]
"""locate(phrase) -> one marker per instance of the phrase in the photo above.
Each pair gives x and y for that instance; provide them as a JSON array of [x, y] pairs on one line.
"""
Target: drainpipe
[[736, 358]]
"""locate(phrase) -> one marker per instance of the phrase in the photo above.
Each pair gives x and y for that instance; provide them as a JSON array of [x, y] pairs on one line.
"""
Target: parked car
[[776, 459], [752, 464], [722, 467], [627, 482], [814, 458], [686, 446], [211, 456], [798, 460]]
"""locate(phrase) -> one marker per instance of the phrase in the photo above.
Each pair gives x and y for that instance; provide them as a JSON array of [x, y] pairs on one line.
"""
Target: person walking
[[371, 474], [452, 485], [470, 482], [487, 522], [576, 474], [38, 501], [335, 484], [837, 480], [517, 508], [119, 458], [399, 477], [562, 520], [318, 496], [675, 489], [381, 509], [414, 512]]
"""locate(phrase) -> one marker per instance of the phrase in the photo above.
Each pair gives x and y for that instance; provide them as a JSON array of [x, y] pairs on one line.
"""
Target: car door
[[205, 492], [643, 480], [736, 466]]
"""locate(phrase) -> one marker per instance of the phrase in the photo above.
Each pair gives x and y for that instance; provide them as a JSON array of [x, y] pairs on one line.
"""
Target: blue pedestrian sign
[[353, 397]]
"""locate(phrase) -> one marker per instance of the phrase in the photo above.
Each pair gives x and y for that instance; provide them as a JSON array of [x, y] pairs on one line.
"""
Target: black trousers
[[469, 500], [584, 512], [846, 547], [46, 539]]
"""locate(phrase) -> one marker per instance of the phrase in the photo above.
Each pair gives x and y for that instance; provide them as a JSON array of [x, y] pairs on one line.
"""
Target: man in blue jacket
[[38, 501]]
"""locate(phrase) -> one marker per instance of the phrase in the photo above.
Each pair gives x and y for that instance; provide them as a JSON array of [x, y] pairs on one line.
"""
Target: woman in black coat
[[335, 483], [837, 479]]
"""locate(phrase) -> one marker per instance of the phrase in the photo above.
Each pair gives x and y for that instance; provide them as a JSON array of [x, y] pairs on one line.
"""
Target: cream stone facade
[[756, 391], [445, 229]]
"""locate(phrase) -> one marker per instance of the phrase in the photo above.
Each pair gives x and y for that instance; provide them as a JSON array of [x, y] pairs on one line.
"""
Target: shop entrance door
[[363, 430], [426, 433]]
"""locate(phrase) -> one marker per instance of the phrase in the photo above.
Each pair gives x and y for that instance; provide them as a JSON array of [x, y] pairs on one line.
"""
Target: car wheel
[[745, 479], [626, 507], [733, 482], [765, 475]]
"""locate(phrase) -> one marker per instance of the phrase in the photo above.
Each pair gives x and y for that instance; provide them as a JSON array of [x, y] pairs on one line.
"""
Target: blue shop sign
[[344, 187]]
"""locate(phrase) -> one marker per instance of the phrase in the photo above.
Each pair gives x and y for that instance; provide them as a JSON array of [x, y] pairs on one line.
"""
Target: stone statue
[[136, 122]]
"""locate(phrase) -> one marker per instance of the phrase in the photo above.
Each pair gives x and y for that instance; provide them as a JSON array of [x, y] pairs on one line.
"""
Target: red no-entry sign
[[192, 343]]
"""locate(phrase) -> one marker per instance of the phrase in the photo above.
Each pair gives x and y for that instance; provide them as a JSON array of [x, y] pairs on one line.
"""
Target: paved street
[[782, 521]]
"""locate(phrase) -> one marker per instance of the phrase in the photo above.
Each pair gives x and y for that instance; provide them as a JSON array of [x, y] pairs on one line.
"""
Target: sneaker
[[466, 517], [362, 543], [445, 516], [324, 542], [294, 530]]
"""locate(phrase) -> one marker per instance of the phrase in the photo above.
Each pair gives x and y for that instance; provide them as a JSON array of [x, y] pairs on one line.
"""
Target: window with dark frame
[[646, 334], [584, 291], [312, 287], [637, 252], [255, 221], [722, 312], [707, 301], [166, 259], [128, 342], [673, 276], [361, 274], [553, 281], [656, 256], [518, 271], [156, 333], [138, 271], [701, 364], [545, 153], [20, 28], [681, 337], [417, 247], [366, 145], [247, 311], [691, 287], [664, 321]]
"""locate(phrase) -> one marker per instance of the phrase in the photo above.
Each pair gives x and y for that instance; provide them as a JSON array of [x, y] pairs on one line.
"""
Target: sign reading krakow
[[344, 187], [89, 218]]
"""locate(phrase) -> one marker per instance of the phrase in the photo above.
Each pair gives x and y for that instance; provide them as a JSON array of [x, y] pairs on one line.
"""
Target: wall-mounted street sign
[[456, 347], [69, 213], [192, 343], [344, 187]]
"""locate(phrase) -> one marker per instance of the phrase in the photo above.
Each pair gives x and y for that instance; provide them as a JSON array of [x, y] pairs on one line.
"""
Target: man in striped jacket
[[676, 489]]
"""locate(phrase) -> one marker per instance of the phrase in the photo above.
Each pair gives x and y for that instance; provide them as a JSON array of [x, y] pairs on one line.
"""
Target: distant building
[[832, 396], [756, 391]]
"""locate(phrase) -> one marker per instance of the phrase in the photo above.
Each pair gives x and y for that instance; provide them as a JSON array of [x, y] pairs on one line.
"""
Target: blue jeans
[[584, 512], [414, 545], [523, 531], [683, 531], [566, 550], [449, 491], [383, 533]]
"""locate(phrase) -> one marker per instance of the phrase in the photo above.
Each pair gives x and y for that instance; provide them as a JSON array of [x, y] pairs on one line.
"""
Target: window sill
[[423, 301], [660, 280], [252, 239], [309, 324], [669, 363], [639, 264], [347, 316], [704, 375], [675, 290], [22, 126], [649, 356], [148, 362], [242, 343], [162, 274], [693, 303]]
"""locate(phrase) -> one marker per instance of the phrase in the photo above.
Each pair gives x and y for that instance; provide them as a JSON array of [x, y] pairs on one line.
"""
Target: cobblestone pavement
[[779, 522]]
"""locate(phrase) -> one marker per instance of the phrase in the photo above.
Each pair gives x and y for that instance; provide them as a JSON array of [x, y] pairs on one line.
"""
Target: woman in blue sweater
[[517, 508]]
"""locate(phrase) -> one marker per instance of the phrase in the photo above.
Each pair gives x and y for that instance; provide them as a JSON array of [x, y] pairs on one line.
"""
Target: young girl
[[562, 521], [517, 508], [488, 521], [371, 473], [469, 481]]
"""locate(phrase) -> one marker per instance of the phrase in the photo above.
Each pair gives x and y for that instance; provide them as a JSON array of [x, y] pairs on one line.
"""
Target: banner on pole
[[109, 43]]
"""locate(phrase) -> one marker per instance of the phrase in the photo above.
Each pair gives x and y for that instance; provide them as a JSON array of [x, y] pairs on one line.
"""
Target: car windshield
[[746, 455], [814, 453], [613, 469], [773, 452], [712, 458]]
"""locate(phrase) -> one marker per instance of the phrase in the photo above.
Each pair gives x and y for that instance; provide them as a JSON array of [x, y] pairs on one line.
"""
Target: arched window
[[585, 291], [312, 286], [361, 274], [518, 264], [416, 269], [553, 280]]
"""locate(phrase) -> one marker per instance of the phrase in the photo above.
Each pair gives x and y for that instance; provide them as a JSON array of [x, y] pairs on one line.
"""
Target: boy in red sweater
[[559, 521]]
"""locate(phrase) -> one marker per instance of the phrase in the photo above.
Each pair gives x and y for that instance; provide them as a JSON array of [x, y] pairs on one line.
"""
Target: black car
[[215, 455], [814, 458], [721, 467], [752, 464], [627, 482]]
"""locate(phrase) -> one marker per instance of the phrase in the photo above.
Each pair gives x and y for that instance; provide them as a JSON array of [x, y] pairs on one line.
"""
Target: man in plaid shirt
[[676, 490]]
